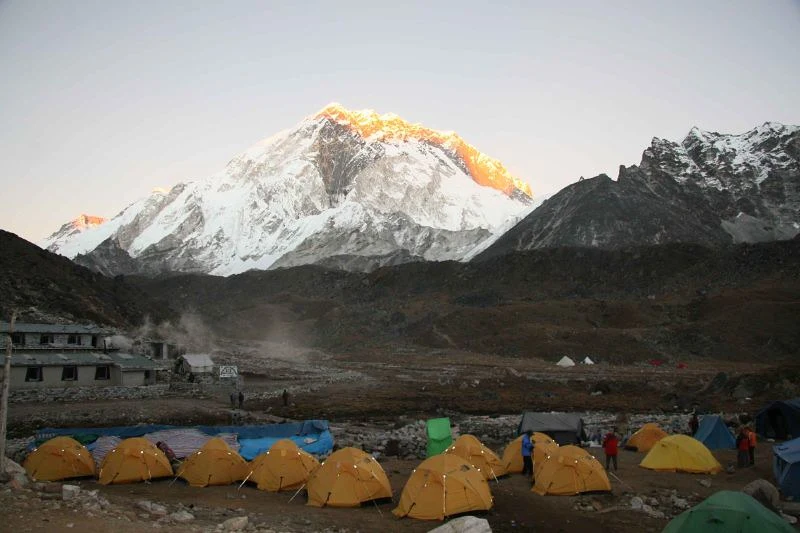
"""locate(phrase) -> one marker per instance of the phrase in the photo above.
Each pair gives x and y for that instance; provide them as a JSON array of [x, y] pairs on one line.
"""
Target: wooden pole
[[4, 399]]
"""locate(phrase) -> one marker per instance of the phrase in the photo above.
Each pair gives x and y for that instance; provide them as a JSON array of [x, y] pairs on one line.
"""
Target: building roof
[[125, 361], [198, 360], [84, 329]]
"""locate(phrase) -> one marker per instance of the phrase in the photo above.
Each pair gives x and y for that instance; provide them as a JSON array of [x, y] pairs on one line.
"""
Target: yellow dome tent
[[59, 458], [570, 470], [283, 467], [215, 463], [512, 455], [644, 439], [347, 478], [470, 449], [679, 453], [441, 486], [135, 459]]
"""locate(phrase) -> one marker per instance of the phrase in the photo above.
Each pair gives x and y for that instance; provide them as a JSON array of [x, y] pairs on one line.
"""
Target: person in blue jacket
[[527, 453]]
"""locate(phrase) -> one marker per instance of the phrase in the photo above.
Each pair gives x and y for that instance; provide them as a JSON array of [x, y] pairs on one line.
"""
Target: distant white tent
[[196, 363], [588, 361], [565, 361]]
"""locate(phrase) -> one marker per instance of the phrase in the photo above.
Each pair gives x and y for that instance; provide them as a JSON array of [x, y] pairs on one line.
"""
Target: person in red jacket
[[610, 447], [742, 448], [751, 436]]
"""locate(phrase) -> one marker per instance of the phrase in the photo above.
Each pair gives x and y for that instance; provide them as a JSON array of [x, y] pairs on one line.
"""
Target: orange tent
[[283, 467], [570, 470], [475, 453], [215, 463], [644, 439], [512, 455], [59, 458], [347, 478], [135, 459], [441, 486]]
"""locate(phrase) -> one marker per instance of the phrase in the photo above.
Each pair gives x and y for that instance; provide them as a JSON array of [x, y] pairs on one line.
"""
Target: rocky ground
[[379, 401], [641, 500]]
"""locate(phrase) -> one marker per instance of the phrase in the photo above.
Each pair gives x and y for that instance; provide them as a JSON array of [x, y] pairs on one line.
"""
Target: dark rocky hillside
[[46, 287], [674, 301]]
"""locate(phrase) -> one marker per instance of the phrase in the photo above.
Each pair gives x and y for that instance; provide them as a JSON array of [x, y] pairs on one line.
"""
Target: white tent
[[588, 361], [565, 361]]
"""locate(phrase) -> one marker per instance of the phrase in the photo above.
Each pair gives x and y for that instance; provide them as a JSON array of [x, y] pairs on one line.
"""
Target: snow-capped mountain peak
[[340, 184]]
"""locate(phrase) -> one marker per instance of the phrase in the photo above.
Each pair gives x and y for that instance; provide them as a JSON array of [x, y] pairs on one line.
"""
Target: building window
[[102, 372], [18, 339], [69, 373], [47, 339], [33, 373], [74, 339]]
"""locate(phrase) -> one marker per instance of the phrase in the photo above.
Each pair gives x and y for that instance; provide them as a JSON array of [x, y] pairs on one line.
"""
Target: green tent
[[439, 437], [726, 511]]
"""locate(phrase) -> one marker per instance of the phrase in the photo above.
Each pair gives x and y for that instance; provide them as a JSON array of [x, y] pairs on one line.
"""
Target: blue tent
[[779, 420], [714, 433], [787, 468]]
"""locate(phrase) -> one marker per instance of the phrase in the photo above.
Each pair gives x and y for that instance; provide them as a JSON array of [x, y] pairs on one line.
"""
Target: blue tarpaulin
[[315, 444], [312, 436]]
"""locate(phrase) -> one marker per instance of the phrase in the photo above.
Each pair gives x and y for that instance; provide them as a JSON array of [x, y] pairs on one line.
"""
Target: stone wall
[[76, 394]]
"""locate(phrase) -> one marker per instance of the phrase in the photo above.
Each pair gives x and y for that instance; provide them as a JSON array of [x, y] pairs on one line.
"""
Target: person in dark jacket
[[527, 453], [241, 399], [285, 397], [694, 423]]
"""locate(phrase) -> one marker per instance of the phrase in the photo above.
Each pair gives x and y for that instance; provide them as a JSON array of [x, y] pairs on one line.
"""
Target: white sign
[[228, 371]]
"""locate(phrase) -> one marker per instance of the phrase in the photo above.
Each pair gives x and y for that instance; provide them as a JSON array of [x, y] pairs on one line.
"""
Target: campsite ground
[[383, 386], [516, 508]]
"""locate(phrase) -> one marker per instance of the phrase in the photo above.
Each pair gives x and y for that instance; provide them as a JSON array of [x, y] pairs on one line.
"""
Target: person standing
[[527, 454], [611, 448], [742, 448], [285, 397], [752, 439], [694, 423], [241, 399]]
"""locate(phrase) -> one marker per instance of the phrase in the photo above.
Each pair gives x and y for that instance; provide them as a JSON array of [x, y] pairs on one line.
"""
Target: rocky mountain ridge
[[710, 189]]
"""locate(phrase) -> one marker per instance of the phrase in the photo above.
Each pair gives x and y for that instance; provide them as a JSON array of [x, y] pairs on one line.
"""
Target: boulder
[[237, 523], [765, 492], [181, 516], [70, 492], [464, 524]]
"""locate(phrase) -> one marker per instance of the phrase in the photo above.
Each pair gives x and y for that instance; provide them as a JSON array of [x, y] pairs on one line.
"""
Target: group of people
[[240, 398], [746, 447]]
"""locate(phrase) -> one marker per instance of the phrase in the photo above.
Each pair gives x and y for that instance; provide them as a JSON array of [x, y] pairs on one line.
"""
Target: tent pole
[[618, 479], [6, 387], [245, 480], [298, 492]]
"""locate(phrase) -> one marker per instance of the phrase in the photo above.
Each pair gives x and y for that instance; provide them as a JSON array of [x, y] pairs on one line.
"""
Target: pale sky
[[100, 102]]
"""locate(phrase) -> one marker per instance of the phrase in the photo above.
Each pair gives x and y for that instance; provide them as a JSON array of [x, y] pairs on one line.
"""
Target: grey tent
[[564, 428]]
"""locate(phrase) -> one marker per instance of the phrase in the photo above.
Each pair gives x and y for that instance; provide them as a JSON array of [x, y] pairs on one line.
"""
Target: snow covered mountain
[[711, 189], [348, 188]]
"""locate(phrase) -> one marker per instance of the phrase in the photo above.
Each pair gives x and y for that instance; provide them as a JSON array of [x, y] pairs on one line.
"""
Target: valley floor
[[393, 387]]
